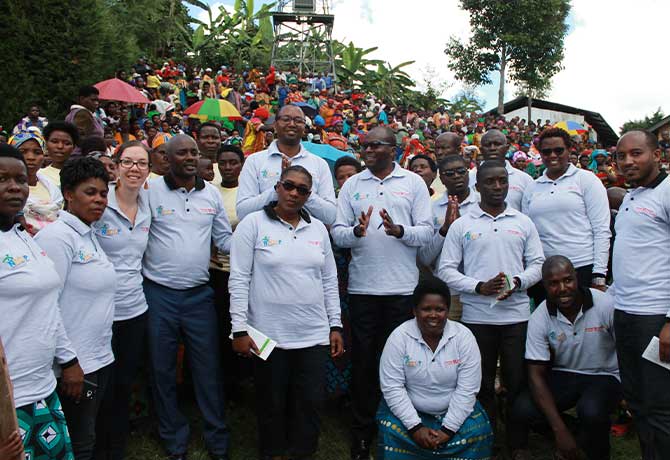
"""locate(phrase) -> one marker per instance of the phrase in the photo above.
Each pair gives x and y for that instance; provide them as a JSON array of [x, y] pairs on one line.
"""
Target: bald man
[[445, 144], [494, 147], [187, 215]]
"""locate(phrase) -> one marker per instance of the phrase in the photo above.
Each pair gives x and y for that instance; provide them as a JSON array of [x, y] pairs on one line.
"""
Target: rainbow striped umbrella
[[213, 109], [572, 127]]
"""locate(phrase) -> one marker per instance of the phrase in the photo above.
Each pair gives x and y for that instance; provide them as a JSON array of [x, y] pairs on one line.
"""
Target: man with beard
[[261, 170]]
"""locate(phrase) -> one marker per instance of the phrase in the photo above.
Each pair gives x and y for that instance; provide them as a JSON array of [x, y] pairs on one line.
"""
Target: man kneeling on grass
[[572, 362]]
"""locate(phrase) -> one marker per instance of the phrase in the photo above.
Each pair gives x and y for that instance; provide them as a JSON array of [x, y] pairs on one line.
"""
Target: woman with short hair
[[87, 288], [283, 282], [123, 234], [31, 328], [61, 139], [430, 372]]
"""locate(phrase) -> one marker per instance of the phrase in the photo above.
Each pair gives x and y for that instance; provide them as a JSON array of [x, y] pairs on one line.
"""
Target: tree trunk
[[530, 106], [501, 87]]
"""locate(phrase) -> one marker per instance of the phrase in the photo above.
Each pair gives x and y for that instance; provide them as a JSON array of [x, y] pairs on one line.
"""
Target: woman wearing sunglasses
[[283, 283], [123, 233], [569, 207]]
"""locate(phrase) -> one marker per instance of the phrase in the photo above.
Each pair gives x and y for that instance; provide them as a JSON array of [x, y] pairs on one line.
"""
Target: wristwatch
[[598, 280]]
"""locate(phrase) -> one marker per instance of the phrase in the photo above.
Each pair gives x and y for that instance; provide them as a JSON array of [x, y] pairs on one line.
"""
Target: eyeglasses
[[290, 186], [556, 150], [452, 172], [128, 163], [376, 144], [286, 119], [97, 155]]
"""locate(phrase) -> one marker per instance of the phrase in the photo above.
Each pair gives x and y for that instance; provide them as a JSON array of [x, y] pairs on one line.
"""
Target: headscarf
[[519, 155], [596, 153], [20, 138], [160, 139]]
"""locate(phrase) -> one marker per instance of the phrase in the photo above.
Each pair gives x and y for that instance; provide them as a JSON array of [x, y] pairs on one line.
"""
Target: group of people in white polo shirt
[[131, 261]]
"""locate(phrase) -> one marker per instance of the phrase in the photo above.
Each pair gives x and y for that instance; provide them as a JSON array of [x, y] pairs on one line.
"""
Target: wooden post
[[8, 421]]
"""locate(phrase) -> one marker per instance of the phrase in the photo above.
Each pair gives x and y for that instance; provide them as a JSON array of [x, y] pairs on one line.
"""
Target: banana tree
[[351, 64], [389, 83]]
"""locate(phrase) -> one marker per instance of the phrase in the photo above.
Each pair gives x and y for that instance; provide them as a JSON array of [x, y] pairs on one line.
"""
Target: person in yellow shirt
[[61, 138], [153, 80]]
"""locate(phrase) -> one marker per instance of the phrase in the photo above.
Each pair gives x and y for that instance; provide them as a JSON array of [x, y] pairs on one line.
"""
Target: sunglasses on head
[[290, 186], [452, 172], [556, 150], [375, 144]]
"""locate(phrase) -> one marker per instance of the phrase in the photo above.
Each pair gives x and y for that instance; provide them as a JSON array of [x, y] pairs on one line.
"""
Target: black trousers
[[112, 426], [290, 389], [595, 398], [584, 275], [645, 384], [81, 417], [509, 343], [373, 318]]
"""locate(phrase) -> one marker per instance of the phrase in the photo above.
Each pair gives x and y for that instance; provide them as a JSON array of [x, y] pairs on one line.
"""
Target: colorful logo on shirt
[[559, 338], [409, 362], [15, 261], [265, 174], [83, 256], [360, 196], [106, 231], [269, 242], [161, 211], [471, 236]]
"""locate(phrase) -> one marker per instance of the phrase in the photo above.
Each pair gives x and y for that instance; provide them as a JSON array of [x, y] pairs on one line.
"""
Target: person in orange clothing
[[335, 137], [327, 111], [254, 137]]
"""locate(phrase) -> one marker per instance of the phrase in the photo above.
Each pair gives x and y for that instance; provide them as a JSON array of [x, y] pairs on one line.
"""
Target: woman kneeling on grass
[[430, 372]]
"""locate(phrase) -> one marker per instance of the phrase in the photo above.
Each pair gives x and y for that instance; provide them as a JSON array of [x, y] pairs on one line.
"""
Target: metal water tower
[[303, 32]]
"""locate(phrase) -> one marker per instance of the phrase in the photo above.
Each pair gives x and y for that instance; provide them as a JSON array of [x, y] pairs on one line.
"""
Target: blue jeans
[[645, 384], [189, 314]]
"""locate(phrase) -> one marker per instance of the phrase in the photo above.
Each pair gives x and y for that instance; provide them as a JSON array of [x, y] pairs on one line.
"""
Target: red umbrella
[[118, 90]]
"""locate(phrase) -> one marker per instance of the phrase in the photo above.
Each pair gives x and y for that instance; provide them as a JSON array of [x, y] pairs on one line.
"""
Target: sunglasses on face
[[375, 144], [556, 150], [290, 186], [452, 172]]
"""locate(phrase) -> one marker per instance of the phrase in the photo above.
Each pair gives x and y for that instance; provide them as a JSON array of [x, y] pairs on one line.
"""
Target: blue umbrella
[[328, 153], [307, 109]]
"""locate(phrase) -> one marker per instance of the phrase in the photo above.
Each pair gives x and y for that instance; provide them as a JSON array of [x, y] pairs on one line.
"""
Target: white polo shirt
[[518, 181], [283, 280], [572, 216], [428, 254], [88, 286], [486, 246], [641, 257], [183, 226], [31, 327], [382, 264], [262, 170], [442, 383], [585, 347], [124, 244]]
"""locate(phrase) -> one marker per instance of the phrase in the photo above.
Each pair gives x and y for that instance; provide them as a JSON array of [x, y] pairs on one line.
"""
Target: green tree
[[50, 59], [466, 101], [520, 40], [644, 123]]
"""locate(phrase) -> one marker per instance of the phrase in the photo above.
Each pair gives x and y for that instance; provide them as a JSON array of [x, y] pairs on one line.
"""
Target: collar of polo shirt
[[414, 331], [397, 172], [172, 185], [273, 149], [270, 212], [660, 178], [509, 211], [586, 304], [74, 222], [568, 172]]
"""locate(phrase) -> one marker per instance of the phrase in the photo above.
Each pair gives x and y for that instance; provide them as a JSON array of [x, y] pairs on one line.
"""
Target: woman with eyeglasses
[[569, 207], [87, 289], [283, 283], [123, 233]]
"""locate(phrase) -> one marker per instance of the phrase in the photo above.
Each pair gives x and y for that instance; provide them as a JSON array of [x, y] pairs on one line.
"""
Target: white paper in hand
[[652, 353], [509, 285], [264, 343]]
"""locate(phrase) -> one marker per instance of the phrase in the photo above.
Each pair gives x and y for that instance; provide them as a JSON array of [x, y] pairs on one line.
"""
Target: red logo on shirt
[[594, 329], [145, 229], [647, 211], [208, 210], [314, 243], [452, 362], [401, 193], [514, 232]]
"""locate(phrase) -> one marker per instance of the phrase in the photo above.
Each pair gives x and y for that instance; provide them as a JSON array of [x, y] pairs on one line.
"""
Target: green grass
[[333, 443]]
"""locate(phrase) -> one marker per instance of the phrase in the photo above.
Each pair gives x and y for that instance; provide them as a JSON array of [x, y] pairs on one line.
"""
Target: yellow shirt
[[40, 193], [438, 187], [52, 174], [221, 261], [153, 81]]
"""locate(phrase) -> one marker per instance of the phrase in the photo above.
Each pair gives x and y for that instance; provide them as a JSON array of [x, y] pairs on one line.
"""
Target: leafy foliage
[[522, 40], [645, 123]]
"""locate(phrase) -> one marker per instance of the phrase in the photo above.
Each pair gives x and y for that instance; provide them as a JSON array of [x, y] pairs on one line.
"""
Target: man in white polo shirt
[[261, 170], [384, 216], [572, 362], [187, 215], [494, 147], [641, 271], [501, 256]]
